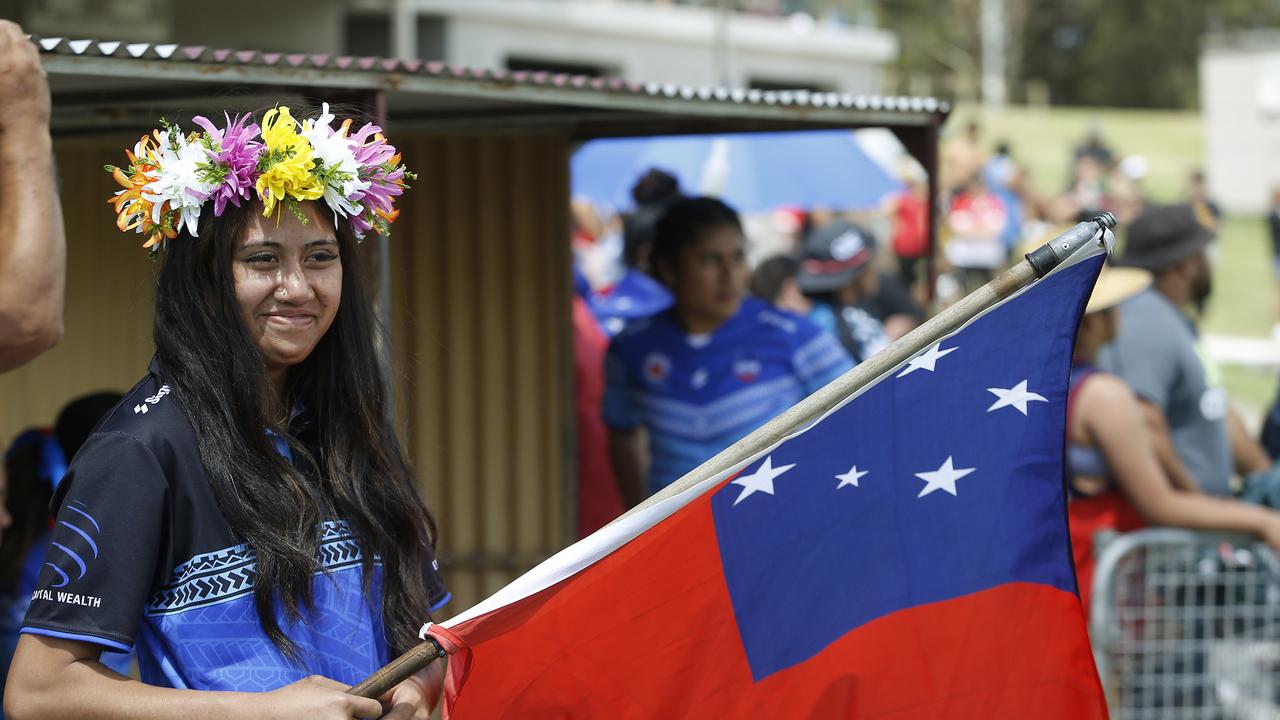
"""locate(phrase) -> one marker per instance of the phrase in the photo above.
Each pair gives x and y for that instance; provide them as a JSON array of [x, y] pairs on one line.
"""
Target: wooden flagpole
[[1036, 265]]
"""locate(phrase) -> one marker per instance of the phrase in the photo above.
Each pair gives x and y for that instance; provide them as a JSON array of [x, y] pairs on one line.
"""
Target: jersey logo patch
[[699, 379], [747, 371], [144, 406], [656, 367]]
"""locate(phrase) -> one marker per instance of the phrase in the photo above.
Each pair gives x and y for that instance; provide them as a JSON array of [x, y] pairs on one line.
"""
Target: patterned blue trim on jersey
[[228, 574]]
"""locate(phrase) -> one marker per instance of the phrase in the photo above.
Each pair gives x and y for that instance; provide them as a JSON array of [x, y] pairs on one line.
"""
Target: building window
[[519, 63], [370, 36], [780, 85]]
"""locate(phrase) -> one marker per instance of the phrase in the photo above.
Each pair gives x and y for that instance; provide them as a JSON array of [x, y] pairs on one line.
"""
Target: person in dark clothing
[[838, 274], [774, 280], [33, 467]]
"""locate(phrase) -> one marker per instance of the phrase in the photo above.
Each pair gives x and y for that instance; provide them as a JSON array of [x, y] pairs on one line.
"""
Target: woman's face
[[288, 282]]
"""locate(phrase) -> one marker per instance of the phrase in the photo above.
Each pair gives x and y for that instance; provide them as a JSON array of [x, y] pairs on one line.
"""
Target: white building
[[639, 41], [648, 42], [1240, 105]]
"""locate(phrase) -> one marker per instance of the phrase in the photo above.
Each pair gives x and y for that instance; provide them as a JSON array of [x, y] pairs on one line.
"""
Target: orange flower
[[133, 209]]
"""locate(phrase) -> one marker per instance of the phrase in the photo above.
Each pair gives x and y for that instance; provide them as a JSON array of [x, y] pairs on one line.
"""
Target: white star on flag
[[944, 478], [927, 359], [1015, 397], [851, 477], [761, 480]]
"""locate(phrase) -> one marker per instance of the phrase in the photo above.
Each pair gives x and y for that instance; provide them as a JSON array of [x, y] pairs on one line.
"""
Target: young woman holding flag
[[245, 519]]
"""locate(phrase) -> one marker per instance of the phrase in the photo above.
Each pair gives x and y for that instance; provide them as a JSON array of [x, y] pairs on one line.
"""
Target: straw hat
[[1115, 285]]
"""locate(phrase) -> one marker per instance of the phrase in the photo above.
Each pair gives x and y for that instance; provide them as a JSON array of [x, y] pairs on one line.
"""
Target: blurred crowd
[[691, 335], [995, 210]]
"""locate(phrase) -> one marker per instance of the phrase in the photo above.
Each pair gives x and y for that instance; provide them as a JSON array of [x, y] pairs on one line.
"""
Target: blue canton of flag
[[943, 479]]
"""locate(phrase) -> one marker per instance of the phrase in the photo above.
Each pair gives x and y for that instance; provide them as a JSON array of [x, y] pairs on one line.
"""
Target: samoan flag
[[907, 556]]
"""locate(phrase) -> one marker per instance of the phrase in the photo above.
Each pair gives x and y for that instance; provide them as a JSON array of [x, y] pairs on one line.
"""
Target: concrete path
[[1256, 352]]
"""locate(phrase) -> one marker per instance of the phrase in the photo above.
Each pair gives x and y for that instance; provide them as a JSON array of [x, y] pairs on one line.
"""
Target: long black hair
[[358, 471]]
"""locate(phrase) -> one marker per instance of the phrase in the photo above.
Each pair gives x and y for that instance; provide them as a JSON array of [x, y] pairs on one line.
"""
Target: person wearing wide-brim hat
[[244, 520], [1157, 351], [1116, 479]]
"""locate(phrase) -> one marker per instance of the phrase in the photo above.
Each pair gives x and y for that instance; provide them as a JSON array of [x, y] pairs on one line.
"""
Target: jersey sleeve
[[620, 411], [437, 592], [818, 357], [112, 511]]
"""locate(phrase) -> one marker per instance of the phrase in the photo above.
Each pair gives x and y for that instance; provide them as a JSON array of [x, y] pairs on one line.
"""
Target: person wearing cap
[[1115, 477], [33, 247], [688, 382], [1157, 352], [838, 274]]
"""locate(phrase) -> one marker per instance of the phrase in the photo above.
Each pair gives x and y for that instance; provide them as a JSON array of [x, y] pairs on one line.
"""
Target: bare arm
[[52, 679], [32, 243], [1114, 419], [1162, 443], [1249, 456], [628, 449]]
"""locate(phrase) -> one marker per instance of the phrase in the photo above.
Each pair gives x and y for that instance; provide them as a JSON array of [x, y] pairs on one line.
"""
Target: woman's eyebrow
[[272, 243]]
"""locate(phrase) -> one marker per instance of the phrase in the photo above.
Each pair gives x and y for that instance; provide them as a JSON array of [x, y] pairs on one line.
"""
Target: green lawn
[[1043, 139], [1172, 143], [1243, 303]]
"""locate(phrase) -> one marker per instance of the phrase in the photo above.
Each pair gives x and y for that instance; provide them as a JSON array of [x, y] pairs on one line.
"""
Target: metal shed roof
[[101, 84]]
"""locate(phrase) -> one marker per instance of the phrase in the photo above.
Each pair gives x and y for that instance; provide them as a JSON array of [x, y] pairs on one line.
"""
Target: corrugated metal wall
[[481, 342], [480, 328]]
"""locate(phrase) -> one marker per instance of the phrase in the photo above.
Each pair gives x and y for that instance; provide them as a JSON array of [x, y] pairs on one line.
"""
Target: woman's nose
[[294, 283]]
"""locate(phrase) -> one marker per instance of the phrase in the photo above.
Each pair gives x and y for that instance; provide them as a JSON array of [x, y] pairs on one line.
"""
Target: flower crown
[[171, 176]]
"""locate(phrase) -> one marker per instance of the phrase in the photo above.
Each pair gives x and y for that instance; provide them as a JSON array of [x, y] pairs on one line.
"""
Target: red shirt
[[909, 237]]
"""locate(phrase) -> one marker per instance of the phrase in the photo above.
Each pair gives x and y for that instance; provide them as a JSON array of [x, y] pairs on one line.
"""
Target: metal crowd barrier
[[1187, 625]]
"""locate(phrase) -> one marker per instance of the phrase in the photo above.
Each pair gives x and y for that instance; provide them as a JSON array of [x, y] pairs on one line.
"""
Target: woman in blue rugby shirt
[[245, 518], [684, 384]]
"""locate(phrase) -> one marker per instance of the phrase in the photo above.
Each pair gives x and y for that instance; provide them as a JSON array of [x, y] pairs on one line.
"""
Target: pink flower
[[233, 160], [381, 168]]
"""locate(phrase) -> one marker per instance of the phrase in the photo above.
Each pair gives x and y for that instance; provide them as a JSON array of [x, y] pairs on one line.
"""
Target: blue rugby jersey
[[697, 396], [141, 557]]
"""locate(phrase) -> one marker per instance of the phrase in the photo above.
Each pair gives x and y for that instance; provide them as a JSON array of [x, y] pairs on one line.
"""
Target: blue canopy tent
[[754, 172]]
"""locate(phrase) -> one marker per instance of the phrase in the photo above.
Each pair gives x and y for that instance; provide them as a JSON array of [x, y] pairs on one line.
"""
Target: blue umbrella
[[754, 172]]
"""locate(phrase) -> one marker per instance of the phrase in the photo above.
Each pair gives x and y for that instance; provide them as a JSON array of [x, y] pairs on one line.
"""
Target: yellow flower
[[286, 163]]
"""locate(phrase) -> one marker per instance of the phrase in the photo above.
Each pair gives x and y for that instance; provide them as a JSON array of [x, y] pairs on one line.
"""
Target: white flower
[[337, 154], [178, 180]]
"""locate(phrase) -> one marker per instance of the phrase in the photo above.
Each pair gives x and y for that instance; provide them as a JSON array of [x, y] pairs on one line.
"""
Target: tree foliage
[[1121, 53]]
